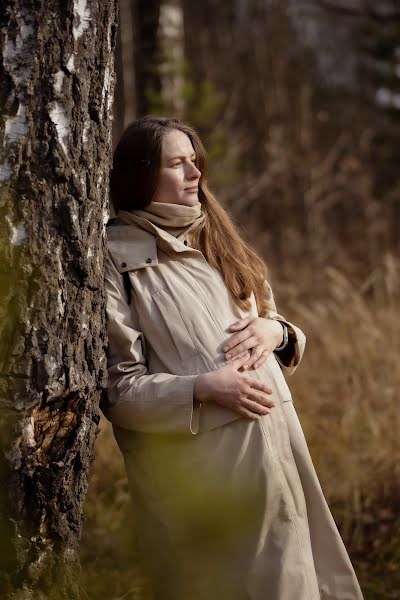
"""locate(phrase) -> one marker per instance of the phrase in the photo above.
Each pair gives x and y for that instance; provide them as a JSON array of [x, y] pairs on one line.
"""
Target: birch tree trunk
[[56, 82]]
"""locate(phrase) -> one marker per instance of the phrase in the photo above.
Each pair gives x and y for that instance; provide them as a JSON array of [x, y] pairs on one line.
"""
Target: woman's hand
[[258, 335], [237, 391]]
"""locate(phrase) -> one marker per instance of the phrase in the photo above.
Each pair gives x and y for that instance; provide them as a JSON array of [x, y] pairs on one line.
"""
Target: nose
[[194, 172]]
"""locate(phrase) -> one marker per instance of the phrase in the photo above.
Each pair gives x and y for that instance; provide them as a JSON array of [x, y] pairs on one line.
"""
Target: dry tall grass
[[347, 394]]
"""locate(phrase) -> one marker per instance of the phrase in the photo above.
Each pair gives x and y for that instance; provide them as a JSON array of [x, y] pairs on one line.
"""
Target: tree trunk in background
[[171, 41], [56, 81], [125, 91], [147, 52], [209, 32]]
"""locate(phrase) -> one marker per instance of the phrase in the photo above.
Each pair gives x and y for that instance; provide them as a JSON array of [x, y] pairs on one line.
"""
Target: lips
[[192, 189]]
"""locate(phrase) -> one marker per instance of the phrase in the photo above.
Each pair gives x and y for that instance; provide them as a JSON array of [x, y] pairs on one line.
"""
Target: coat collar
[[133, 241]]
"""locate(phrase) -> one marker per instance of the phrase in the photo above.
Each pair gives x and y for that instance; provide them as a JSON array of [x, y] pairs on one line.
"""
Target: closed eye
[[176, 164]]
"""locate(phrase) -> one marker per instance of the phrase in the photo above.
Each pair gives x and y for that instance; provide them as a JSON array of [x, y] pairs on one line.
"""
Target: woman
[[227, 502]]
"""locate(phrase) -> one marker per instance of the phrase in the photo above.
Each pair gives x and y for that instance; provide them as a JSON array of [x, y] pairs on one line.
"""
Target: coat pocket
[[175, 324]]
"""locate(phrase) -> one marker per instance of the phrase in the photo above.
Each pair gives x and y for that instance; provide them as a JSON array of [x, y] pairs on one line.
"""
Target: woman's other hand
[[230, 388], [257, 334]]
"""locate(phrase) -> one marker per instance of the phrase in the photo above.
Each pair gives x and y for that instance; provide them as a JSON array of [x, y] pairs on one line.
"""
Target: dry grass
[[347, 387], [347, 394]]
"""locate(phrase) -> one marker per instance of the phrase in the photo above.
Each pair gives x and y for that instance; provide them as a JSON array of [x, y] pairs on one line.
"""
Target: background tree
[[146, 46], [56, 82]]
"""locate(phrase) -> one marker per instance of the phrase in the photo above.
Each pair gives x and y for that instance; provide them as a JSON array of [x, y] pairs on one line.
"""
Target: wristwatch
[[285, 340]]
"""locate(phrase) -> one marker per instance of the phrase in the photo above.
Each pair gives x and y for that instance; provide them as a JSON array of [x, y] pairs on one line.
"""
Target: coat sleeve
[[135, 399], [289, 358]]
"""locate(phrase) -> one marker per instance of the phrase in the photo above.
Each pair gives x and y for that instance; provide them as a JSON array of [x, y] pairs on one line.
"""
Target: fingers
[[241, 323], [260, 398], [240, 361], [248, 414], [258, 385], [254, 401], [249, 342], [255, 407], [258, 357]]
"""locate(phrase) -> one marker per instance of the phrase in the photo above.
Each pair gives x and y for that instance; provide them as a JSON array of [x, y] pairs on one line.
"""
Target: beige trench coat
[[225, 507]]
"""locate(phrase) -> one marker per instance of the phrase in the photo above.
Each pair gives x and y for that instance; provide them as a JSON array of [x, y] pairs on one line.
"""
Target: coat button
[[123, 265], [148, 260]]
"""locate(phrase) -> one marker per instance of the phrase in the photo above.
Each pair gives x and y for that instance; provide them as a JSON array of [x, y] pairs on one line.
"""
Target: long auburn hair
[[133, 180]]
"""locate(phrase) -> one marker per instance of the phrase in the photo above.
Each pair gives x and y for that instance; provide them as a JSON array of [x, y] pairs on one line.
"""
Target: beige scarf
[[176, 219]]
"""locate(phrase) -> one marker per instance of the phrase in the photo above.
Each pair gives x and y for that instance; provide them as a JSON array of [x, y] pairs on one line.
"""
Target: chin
[[189, 201]]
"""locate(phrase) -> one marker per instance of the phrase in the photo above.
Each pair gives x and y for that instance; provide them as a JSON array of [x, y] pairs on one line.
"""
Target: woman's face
[[178, 178]]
